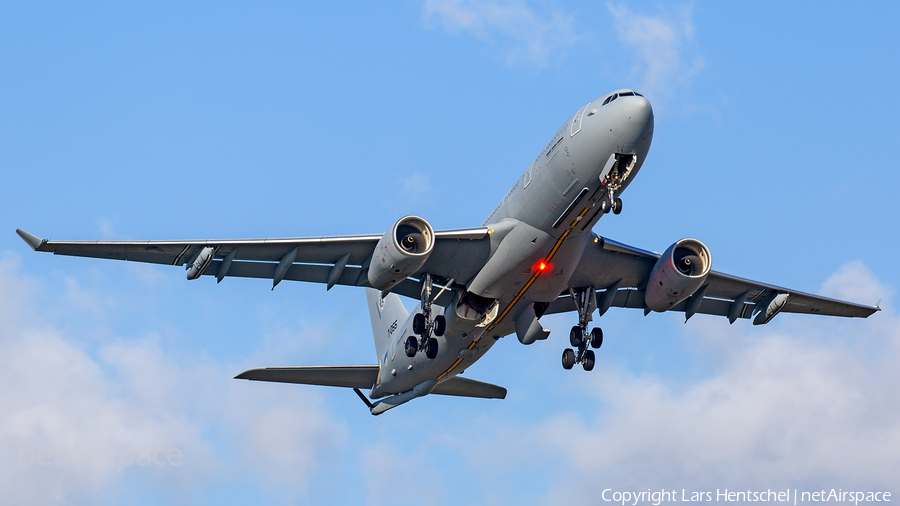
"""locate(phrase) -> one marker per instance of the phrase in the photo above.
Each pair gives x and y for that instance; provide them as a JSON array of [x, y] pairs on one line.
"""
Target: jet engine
[[400, 252], [678, 273]]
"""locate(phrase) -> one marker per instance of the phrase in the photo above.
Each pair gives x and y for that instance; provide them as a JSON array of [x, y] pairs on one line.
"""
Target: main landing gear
[[424, 325], [586, 302]]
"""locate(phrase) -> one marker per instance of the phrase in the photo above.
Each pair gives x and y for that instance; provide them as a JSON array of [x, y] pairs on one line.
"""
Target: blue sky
[[775, 143]]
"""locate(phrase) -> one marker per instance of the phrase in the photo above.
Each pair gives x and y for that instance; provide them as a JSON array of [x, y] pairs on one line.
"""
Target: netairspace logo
[[121, 457], [788, 496]]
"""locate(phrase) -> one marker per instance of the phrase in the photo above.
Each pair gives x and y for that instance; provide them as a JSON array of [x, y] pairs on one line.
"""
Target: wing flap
[[351, 376], [350, 276]]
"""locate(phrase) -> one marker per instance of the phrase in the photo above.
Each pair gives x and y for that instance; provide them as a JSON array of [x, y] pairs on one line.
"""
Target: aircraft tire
[[418, 323], [431, 349], [568, 358], [604, 206], [411, 347], [617, 207], [576, 336], [588, 361], [440, 325], [596, 337]]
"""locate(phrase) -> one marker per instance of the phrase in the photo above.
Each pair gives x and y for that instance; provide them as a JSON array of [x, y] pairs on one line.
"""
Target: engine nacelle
[[678, 273], [400, 252]]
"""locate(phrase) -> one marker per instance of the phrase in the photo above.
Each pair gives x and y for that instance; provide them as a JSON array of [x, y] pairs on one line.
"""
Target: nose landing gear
[[613, 182], [586, 302], [611, 202]]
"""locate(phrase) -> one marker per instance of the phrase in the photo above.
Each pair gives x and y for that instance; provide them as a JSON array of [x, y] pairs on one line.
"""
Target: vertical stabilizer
[[388, 315]]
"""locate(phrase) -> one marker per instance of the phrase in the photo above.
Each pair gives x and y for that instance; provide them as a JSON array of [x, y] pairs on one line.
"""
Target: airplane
[[535, 254]]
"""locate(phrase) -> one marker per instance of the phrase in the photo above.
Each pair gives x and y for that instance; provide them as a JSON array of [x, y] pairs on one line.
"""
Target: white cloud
[[417, 184], [61, 391], [815, 408], [797, 404], [802, 402], [107, 229], [398, 476], [854, 281], [283, 434], [663, 46], [521, 33]]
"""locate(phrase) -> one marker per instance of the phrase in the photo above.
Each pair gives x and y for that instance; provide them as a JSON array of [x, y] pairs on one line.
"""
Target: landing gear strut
[[613, 182], [424, 325], [585, 302]]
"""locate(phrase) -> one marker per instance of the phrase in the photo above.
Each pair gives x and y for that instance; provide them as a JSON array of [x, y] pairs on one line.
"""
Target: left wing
[[341, 260], [606, 262]]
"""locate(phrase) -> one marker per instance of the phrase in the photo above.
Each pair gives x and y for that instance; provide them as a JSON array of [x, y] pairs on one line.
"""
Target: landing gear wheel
[[576, 336], [411, 346], [419, 323], [568, 358], [431, 348], [617, 206], [604, 206], [596, 337], [440, 325], [588, 361]]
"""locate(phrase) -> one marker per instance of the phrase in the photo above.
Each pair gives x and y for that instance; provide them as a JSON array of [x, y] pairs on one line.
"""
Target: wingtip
[[245, 375], [33, 241]]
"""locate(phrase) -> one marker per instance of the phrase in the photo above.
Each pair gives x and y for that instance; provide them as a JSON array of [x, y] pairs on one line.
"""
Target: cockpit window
[[617, 95]]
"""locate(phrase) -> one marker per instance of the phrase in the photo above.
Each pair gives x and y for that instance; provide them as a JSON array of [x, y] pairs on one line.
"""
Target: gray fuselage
[[540, 229]]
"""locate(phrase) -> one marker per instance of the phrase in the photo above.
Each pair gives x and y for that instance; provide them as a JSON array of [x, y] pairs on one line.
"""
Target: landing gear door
[[608, 166], [576, 120]]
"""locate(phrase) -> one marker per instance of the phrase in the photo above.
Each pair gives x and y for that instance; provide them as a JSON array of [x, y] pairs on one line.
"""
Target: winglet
[[32, 241], [878, 305]]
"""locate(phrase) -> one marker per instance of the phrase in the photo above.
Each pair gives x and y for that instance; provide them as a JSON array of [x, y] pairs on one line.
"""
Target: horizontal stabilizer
[[350, 376], [364, 376], [464, 387]]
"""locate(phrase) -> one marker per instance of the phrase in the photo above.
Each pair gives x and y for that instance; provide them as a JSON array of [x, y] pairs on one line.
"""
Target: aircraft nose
[[639, 110], [639, 130]]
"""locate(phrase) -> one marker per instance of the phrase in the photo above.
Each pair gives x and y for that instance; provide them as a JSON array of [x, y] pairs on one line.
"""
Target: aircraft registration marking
[[521, 292]]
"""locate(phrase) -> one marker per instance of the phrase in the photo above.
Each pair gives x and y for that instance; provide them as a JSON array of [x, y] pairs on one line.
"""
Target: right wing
[[458, 254], [606, 262]]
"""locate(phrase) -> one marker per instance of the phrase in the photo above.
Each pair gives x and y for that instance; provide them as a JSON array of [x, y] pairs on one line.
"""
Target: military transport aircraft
[[535, 254]]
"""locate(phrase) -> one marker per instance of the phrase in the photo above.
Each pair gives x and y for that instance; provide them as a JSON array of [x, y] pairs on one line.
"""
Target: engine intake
[[400, 252], [678, 273]]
